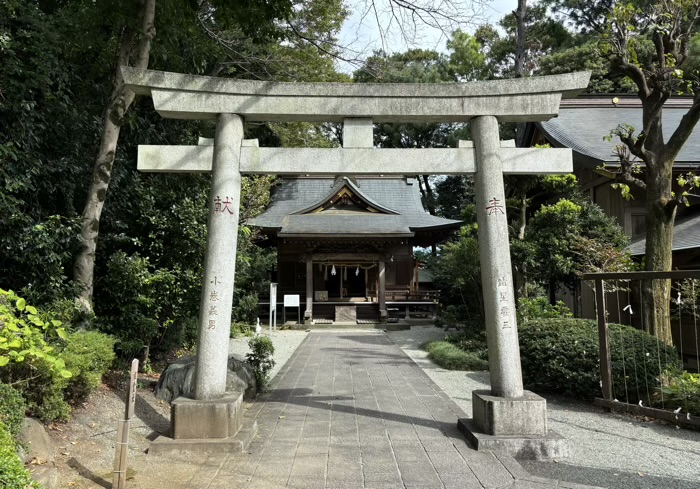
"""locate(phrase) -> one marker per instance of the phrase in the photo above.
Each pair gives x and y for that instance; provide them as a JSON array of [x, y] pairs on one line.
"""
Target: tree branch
[[684, 129]]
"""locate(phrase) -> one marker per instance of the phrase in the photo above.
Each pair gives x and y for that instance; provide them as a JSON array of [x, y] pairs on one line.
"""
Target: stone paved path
[[351, 410]]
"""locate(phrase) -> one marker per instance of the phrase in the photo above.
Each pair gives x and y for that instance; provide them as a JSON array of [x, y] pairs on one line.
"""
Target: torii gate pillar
[[506, 417]]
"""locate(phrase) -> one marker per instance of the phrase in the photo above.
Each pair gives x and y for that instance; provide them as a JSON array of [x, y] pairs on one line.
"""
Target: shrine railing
[[639, 374]]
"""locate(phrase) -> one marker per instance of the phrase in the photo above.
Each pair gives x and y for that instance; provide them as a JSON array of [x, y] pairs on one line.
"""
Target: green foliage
[[562, 355], [587, 57], [12, 408], [25, 351], [260, 358], [13, 475], [543, 35], [570, 237], [682, 392], [540, 308], [247, 309], [451, 357], [46, 363], [240, 329], [457, 273], [88, 356]]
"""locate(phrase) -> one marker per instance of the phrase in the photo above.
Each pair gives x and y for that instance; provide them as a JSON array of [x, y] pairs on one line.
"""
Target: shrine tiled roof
[[396, 208], [584, 127], [686, 235]]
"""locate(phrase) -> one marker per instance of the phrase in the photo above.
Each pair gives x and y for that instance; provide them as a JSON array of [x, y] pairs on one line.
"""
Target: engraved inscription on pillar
[[504, 308]]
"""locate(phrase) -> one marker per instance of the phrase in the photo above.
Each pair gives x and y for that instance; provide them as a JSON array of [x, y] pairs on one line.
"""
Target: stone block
[[525, 415], [206, 419], [166, 446], [346, 313], [524, 447]]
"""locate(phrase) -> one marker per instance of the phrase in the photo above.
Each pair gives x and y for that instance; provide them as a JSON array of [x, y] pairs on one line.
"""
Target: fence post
[[605, 360]]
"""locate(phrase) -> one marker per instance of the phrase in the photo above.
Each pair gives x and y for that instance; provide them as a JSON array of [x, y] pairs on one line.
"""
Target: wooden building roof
[[343, 207]]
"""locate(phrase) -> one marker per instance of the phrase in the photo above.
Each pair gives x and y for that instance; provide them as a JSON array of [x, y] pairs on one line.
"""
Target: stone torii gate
[[504, 417]]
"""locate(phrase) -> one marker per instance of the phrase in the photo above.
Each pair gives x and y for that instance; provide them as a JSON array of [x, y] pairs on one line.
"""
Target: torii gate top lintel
[[182, 96]]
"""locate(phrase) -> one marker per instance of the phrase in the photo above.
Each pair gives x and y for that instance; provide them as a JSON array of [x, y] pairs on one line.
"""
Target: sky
[[362, 35]]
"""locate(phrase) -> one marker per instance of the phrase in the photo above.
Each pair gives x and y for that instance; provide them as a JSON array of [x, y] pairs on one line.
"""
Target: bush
[[682, 392], [562, 355], [246, 310], [540, 308], [240, 329], [451, 357], [12, 408], [13, 475], [45, 363], [88, 355], [28, 357], [471, 339], [260, 358]]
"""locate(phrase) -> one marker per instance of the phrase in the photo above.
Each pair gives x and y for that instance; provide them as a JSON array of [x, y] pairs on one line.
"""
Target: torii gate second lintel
[[506, 409]]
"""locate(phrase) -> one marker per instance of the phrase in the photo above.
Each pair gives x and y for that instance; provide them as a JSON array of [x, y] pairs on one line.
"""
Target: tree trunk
[[520, 38], [661, 213], [429, 196], [519, 279], [119, 102]]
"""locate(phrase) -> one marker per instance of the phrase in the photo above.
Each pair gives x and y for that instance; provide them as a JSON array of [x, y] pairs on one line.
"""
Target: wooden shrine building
[[345, 244]]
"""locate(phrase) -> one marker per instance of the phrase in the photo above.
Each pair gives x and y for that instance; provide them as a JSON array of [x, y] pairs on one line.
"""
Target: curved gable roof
[[401, 215]]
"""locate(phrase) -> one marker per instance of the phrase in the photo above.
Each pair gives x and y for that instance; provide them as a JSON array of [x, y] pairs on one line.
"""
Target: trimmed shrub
[[12, 408], [539, 308], [451, 357], [13, 475], [260, 358], [562, 355], [88, 355]]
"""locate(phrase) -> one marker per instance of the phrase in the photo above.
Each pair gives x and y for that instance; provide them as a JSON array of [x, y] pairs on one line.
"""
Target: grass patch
[[451, 357]]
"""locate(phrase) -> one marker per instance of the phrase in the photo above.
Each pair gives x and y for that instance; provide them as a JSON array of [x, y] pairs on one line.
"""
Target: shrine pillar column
[[382, 291], [506, 410], [494, 255], [220, 260], [308, 313]]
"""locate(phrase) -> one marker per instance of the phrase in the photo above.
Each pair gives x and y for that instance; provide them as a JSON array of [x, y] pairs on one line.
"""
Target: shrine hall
[[345, 246]]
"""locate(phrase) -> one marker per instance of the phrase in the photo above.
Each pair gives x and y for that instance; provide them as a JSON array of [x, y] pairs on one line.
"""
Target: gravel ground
[[611, 450], [285, 342]]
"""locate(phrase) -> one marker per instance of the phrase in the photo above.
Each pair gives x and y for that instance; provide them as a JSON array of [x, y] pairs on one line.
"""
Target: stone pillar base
[[526, 415], [516, 425], [199, 428], [196, 419]]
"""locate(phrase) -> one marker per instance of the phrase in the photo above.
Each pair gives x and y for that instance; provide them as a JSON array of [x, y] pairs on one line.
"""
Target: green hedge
[[13, 475], [12, 408], [88, 356], [562, 355], [451, 357]]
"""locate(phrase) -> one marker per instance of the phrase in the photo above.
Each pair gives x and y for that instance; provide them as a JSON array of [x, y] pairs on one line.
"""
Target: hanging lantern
[[325, 272], [357, 271], [333, 271]]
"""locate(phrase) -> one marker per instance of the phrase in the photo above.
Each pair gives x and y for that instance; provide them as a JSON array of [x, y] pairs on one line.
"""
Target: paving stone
[[351, 410]]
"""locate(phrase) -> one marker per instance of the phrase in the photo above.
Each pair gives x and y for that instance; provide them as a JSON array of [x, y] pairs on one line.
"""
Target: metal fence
[[638, 373]]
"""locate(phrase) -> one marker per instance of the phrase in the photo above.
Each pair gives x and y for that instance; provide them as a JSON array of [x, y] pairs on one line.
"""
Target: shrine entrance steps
[[350, 410]]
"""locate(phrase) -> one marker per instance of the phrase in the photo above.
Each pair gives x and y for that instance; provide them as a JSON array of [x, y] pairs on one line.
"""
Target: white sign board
[[273, 296], [291, 300]]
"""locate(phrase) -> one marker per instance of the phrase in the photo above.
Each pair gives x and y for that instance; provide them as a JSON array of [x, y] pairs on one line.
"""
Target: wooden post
[[605, 360], [122, 446]]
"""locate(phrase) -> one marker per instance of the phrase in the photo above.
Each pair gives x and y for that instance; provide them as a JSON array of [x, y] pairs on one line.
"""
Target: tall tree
[[133, 50], [651, 47]]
